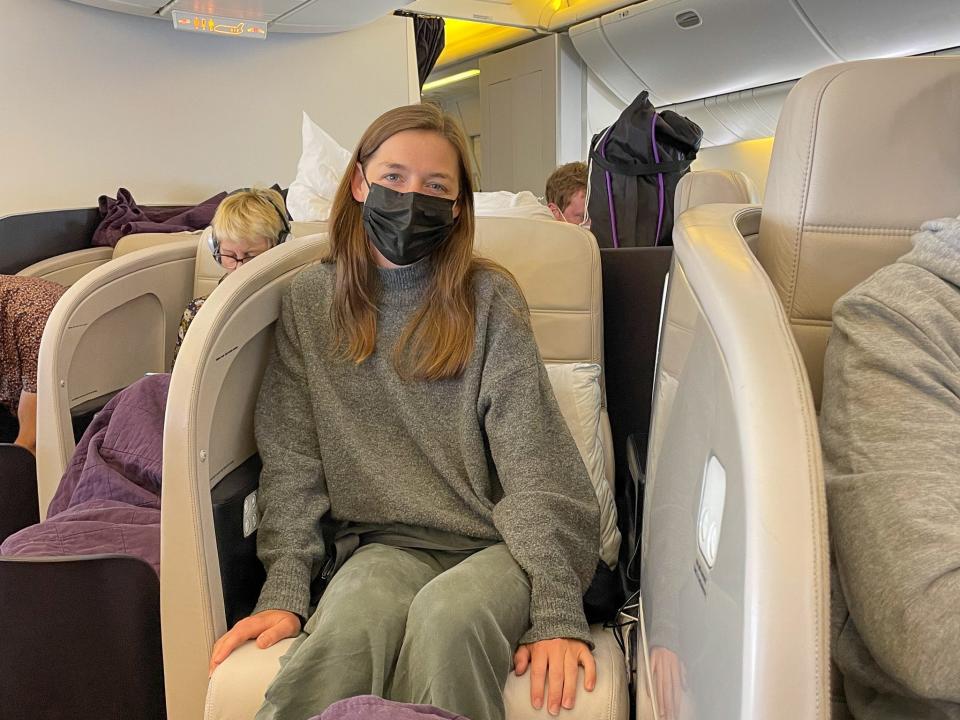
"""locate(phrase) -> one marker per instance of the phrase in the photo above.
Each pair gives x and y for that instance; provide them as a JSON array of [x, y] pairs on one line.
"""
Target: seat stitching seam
[[816, 484], [805, 187], [861, 229]]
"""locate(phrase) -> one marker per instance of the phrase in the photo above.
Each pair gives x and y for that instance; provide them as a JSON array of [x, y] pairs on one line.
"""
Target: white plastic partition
[[734, 554], [109, 328], [212, 390]]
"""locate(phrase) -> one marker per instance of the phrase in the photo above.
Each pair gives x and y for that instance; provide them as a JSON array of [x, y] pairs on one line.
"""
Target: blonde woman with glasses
[[247, 223]]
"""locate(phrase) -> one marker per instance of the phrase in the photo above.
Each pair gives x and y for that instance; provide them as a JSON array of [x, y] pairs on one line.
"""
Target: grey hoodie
[[890, 427]]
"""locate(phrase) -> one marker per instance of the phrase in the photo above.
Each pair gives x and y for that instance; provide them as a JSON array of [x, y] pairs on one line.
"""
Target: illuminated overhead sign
[[216, 25]]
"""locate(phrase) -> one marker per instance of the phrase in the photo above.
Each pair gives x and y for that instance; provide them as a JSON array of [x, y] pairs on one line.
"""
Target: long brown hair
[[438, 340]]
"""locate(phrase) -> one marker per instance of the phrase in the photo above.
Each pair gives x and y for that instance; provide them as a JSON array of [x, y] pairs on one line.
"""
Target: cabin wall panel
[[521, 115], [92, 100]]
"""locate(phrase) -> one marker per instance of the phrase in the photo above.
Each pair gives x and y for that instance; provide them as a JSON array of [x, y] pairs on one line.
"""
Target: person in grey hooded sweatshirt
[[890, 427]]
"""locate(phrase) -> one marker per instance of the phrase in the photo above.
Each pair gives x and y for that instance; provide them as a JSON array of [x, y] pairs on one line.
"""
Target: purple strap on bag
[[656, 159], [607, 177]]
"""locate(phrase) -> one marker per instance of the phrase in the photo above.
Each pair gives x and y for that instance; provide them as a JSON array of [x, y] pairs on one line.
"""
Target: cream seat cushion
[[237, 687], [577, 389]]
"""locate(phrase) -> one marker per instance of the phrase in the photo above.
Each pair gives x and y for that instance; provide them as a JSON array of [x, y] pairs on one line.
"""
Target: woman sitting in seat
[[25, 305], [109, 497], [247, 223], [406, 404]]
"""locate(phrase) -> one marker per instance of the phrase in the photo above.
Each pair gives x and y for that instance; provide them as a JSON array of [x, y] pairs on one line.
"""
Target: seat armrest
[[69, 267]]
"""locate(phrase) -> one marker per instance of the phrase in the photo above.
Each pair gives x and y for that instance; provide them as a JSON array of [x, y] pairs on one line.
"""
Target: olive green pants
[[418, 626]]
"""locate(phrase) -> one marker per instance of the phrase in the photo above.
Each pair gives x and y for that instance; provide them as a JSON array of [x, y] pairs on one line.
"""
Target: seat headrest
[[140, 241], [864, 153], [302, 228], [558, 268], [702, 187]]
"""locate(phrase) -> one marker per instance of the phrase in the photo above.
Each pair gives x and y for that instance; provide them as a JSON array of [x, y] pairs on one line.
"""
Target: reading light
[[450, 80]]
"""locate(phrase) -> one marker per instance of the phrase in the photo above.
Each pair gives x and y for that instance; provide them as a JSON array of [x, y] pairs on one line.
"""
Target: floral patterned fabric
[[25, 305], [189, 313]]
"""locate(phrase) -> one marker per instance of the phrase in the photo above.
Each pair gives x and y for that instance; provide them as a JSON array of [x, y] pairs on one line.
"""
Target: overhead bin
[[861, 29], [320, 16], [592, 44], [701, 48], [742, 115]]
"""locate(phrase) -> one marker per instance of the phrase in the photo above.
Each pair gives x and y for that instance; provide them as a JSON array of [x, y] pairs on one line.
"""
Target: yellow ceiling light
[[465, 39], [450, 80]]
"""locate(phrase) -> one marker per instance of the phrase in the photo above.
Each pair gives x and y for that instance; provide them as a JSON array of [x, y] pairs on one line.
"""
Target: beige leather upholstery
[[69, 267], [208, 433], [142, 241], [302, 228], [751, 626], [236, 689], [864, 153], [702, 187]]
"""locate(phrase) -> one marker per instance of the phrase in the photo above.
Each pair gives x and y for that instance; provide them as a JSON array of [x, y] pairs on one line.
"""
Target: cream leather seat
[[703, 187], [67, 268], [208, 444], [844, 196], [735, 545]]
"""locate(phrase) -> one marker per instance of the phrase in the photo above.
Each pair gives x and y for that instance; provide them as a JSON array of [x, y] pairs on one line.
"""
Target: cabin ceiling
[[474, 25], [307, 16]]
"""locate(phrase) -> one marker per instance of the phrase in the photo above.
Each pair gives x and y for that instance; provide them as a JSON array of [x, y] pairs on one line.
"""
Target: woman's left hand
[[556, 662]]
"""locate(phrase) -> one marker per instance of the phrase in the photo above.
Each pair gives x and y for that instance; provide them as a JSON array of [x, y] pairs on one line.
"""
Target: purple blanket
[[109, 498], [123, 216], [370, 707]]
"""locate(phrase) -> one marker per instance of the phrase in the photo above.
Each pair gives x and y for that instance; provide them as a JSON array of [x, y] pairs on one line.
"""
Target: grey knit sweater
[[486, 455], [890, 428]]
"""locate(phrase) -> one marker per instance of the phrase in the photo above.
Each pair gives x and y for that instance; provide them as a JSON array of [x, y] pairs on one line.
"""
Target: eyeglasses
[[232, 262]]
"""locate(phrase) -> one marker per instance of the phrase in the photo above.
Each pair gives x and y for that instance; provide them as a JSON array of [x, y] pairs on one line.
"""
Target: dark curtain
[[429, 33]]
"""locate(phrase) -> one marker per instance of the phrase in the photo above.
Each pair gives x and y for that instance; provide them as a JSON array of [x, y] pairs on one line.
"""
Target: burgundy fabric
[[122, 216], [370, 707], [109, 498]]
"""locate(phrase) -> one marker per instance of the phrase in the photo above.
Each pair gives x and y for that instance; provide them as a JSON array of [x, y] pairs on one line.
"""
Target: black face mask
[[406, 227]]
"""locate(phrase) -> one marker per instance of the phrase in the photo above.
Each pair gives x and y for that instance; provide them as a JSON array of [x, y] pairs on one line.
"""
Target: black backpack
[[635, 165]]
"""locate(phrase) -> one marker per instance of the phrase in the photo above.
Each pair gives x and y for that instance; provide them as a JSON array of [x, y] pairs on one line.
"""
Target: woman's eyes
[[395, 178]]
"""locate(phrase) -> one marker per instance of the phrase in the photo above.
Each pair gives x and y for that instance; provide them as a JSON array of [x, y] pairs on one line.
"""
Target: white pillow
[[503, 203], [322, 164], [577, 388]]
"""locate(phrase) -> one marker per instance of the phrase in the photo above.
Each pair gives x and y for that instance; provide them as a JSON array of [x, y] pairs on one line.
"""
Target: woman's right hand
[[267, 626]]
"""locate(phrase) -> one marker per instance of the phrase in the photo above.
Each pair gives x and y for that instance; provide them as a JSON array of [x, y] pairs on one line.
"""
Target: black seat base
[[81, 639]]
